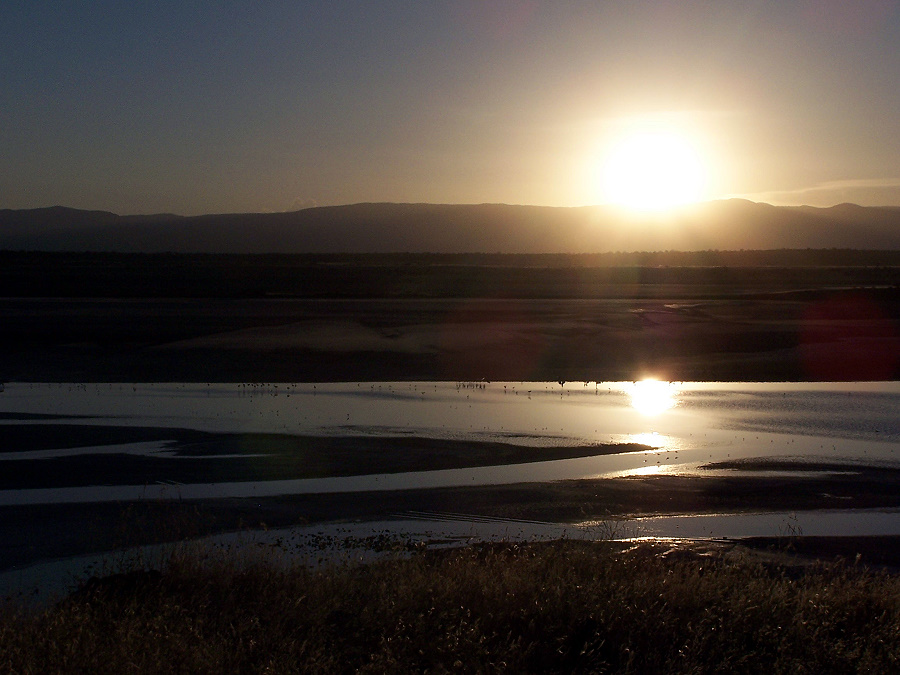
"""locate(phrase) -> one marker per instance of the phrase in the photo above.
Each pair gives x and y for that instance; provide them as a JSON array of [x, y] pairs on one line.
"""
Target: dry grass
[[559, 607]]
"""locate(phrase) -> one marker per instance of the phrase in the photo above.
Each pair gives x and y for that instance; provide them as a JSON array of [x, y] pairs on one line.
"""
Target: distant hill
[[447, 228]]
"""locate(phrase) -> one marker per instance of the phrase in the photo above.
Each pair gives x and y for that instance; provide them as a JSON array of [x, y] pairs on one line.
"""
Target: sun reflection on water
[[647, 471], [651, 439], [652, 397]]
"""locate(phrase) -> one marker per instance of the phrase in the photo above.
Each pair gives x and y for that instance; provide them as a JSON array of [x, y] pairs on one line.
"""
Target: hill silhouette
[[455, 228]]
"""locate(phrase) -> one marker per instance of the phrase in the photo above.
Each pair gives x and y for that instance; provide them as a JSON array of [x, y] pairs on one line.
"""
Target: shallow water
[[686, 427]]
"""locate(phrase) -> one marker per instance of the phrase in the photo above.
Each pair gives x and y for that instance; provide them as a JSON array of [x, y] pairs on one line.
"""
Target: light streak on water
[[706, 423]]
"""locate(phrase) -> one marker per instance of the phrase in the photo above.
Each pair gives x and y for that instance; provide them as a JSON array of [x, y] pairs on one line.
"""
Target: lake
[[666, 428]]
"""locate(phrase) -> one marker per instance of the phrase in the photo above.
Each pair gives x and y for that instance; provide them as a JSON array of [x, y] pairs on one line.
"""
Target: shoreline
[[29, 534]]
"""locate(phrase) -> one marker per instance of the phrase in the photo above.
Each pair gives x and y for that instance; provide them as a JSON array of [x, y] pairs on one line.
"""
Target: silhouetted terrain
[[700, 274], [442, 228]]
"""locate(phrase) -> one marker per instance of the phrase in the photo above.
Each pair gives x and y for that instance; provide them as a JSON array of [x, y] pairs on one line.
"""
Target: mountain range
[[732, 224]]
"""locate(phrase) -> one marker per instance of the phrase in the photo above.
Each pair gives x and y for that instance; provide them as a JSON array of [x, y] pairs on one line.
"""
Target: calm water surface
[[687, 428]]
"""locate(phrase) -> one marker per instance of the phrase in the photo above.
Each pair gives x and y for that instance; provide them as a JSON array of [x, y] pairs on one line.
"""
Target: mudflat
[[38, 532]]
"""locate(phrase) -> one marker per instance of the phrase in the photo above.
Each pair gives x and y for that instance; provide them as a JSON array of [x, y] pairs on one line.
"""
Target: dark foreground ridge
[[558, 607]]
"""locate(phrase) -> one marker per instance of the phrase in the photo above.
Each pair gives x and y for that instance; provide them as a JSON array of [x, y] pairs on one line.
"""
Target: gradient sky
[[196, 107]]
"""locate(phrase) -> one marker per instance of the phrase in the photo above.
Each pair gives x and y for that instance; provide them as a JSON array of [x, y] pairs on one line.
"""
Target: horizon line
[[611, 206]]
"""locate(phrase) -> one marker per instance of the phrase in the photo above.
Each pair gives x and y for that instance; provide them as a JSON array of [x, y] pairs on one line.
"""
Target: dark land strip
[[840, 335], [709, 315]]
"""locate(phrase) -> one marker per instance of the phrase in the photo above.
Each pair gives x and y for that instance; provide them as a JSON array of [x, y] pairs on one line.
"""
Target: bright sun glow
[[651, 397], [653, 170]]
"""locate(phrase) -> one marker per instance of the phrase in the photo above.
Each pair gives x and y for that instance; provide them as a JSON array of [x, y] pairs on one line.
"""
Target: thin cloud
[[855, 183], [831, 192]]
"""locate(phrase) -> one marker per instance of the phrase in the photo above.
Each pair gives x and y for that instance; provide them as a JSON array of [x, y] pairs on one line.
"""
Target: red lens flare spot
[[849, 337]]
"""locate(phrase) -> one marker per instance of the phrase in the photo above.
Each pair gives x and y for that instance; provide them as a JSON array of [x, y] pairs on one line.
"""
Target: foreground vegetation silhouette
[[563, 606]]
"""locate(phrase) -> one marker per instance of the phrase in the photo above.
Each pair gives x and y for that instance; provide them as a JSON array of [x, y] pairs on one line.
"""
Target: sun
[[653, 170]]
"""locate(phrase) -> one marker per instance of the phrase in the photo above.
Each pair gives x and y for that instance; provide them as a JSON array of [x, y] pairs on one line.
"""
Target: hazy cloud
[[864, 191]]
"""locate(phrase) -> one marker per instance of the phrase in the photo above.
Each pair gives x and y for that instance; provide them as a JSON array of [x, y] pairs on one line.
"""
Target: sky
[[215, 107]]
